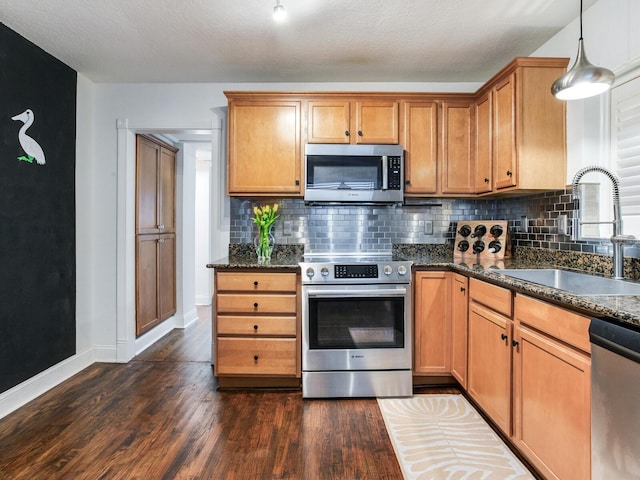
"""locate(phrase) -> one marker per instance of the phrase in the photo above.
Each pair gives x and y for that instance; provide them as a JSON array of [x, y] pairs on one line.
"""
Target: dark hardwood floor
[[161, 417]]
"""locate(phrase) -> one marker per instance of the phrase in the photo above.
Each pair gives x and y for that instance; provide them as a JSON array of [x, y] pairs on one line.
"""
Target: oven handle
[[399, 292]]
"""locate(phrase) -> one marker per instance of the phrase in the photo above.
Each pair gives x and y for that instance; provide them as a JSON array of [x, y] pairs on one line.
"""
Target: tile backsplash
[[377, 228]]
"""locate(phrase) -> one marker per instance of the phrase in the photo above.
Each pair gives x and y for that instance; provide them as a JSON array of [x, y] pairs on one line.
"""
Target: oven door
[[356, 327]]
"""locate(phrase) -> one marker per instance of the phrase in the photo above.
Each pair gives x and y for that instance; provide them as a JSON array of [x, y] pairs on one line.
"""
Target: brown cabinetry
[[264, 149], [459, 325], [352, 121], [484, 144], [457, 147], [432, 323], [256, 331], [420, 141], [155, 233]]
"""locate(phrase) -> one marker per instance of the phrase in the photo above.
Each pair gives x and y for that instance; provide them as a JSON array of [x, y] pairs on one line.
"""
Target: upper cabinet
[[420, 141], [521, 128], [265, 151], [457, 147], [352, 121]]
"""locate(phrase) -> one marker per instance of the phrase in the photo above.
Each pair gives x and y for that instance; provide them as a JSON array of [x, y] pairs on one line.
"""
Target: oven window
[[344, 173], [356, 323]]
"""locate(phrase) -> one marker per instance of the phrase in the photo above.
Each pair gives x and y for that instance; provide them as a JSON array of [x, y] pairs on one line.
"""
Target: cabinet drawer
[[253, 356], [494, 297], [565, 325], [257, 326], [250, 303], [255, 282]]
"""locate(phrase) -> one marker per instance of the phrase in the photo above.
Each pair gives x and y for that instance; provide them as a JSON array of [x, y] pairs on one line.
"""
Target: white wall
[[202, 244]]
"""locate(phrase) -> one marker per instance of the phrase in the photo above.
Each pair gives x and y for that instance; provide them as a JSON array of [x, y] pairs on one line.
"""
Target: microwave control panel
[[394, 173]]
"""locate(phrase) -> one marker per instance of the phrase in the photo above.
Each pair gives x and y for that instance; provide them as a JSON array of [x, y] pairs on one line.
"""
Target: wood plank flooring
[[160, 417]]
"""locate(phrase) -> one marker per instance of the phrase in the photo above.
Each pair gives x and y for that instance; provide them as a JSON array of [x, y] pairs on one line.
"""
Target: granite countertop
[[625, 309]]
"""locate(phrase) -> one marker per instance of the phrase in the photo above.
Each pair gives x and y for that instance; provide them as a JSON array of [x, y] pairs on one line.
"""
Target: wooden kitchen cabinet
[[264, 145], [256, 325], [484, 144], [457, 147], [552, 389], [527, 128], [420, 141], [459, 327], [360, 121], [432, 323]]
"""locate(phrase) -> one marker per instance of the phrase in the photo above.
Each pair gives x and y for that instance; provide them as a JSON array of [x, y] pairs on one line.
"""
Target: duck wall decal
[[28, 144]]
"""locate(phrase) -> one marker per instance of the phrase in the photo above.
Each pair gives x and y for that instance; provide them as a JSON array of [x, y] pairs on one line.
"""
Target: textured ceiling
[[322, 40]]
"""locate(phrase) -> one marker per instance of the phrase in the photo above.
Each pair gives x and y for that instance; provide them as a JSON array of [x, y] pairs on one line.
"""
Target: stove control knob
[[310, 272], [388, 270], [402, 270], [324, 271]]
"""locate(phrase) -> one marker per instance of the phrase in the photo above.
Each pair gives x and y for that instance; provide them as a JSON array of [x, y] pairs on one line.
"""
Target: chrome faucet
[[617, 239]]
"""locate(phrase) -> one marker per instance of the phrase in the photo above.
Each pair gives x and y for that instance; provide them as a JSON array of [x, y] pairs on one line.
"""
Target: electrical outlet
[[428, 227], [287, 229], [562, 225]]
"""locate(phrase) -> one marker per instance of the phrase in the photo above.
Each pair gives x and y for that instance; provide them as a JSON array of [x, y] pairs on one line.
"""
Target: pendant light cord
[[580, 19]]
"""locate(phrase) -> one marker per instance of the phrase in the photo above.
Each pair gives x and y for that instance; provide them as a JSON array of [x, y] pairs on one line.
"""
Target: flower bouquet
[[264, 217]]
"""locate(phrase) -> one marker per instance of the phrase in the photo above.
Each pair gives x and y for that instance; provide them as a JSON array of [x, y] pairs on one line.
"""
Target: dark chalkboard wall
[[37, 211]]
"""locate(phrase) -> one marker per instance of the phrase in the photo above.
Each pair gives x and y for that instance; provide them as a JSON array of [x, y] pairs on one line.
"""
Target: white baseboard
[[28, 390]]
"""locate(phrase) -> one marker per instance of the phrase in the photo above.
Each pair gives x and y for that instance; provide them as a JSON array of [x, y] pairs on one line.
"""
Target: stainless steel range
[[356, 327]]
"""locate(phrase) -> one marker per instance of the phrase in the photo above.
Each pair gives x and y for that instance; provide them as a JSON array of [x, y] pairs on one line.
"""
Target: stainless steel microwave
[[354, 173]]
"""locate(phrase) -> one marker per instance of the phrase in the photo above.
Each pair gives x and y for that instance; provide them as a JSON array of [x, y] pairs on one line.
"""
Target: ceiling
[[238, 41]]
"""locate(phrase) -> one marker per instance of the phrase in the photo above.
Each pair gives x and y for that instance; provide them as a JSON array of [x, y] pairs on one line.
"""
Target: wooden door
[[328, 121], [457, 147], [167, 191], [489, 364], [147, 313], [432, 327], [420, 142], [166, 276], [147, 157], [264, 148], [376, 122], [459, 323], [505, 164], [484, 144], [552, 405]]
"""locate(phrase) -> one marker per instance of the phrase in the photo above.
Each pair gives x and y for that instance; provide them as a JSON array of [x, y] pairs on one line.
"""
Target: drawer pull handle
[[255, 327], [255, 284], [255, 305], [255, 358]]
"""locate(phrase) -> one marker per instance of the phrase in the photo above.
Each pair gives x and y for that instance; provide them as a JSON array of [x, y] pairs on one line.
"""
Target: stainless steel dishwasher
[[615, 401]]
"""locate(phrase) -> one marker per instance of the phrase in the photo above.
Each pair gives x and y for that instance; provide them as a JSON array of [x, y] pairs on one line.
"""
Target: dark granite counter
[[625, 309]]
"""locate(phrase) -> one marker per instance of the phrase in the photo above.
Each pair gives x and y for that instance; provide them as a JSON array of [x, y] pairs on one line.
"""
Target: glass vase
[[263, 243]]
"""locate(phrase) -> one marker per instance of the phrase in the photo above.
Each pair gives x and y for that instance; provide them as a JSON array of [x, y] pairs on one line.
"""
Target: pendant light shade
[[279, 12], [583, 79]]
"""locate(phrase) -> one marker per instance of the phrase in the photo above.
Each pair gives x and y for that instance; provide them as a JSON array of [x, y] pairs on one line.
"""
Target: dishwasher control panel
[[482, 239]]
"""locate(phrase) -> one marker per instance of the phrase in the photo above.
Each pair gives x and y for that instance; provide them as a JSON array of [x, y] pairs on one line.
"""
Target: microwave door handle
[[385, 172], [357, 293]]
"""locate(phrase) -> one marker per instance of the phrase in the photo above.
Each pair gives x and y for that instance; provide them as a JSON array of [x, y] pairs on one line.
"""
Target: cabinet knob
[[359, 133], [346, 133], [255, 358], [255, 305], [161, 240], [509, 173], [407, 182], [161, 227], [255, 284], [462, 289], [514, 344], [486, 180], [297, 182], [255, 327], [504, 336]]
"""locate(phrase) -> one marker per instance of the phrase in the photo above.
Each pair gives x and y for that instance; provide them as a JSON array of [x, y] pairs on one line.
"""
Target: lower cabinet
[[256, 325], [459, 327]]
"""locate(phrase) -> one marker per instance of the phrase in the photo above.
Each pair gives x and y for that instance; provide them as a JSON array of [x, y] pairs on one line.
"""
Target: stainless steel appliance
[[356, 327], [615, 390], [354, 173]]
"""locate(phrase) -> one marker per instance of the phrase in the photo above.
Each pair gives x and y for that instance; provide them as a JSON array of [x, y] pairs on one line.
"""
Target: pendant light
[[583, 79], [279, 13]]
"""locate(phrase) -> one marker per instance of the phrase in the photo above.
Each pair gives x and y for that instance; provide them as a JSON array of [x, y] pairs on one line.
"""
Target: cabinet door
[[147, 314], [484, 144], [421, 147], [457, 148], [432, 327], [328, 121], [166, 275], [167, 191], [505, 171], [489, 375], [147, 164], [376, 122], [459, 322], [552, 405], [264, 148]]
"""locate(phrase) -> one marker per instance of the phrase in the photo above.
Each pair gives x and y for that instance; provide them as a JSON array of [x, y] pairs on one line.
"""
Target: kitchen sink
[[581, 284]]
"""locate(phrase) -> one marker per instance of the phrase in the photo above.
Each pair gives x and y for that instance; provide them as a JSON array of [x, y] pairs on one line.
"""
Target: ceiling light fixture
[[583, 79], [279, 13]]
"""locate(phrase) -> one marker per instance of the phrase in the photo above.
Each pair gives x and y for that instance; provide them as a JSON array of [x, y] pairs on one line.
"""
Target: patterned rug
[[438, 437]]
